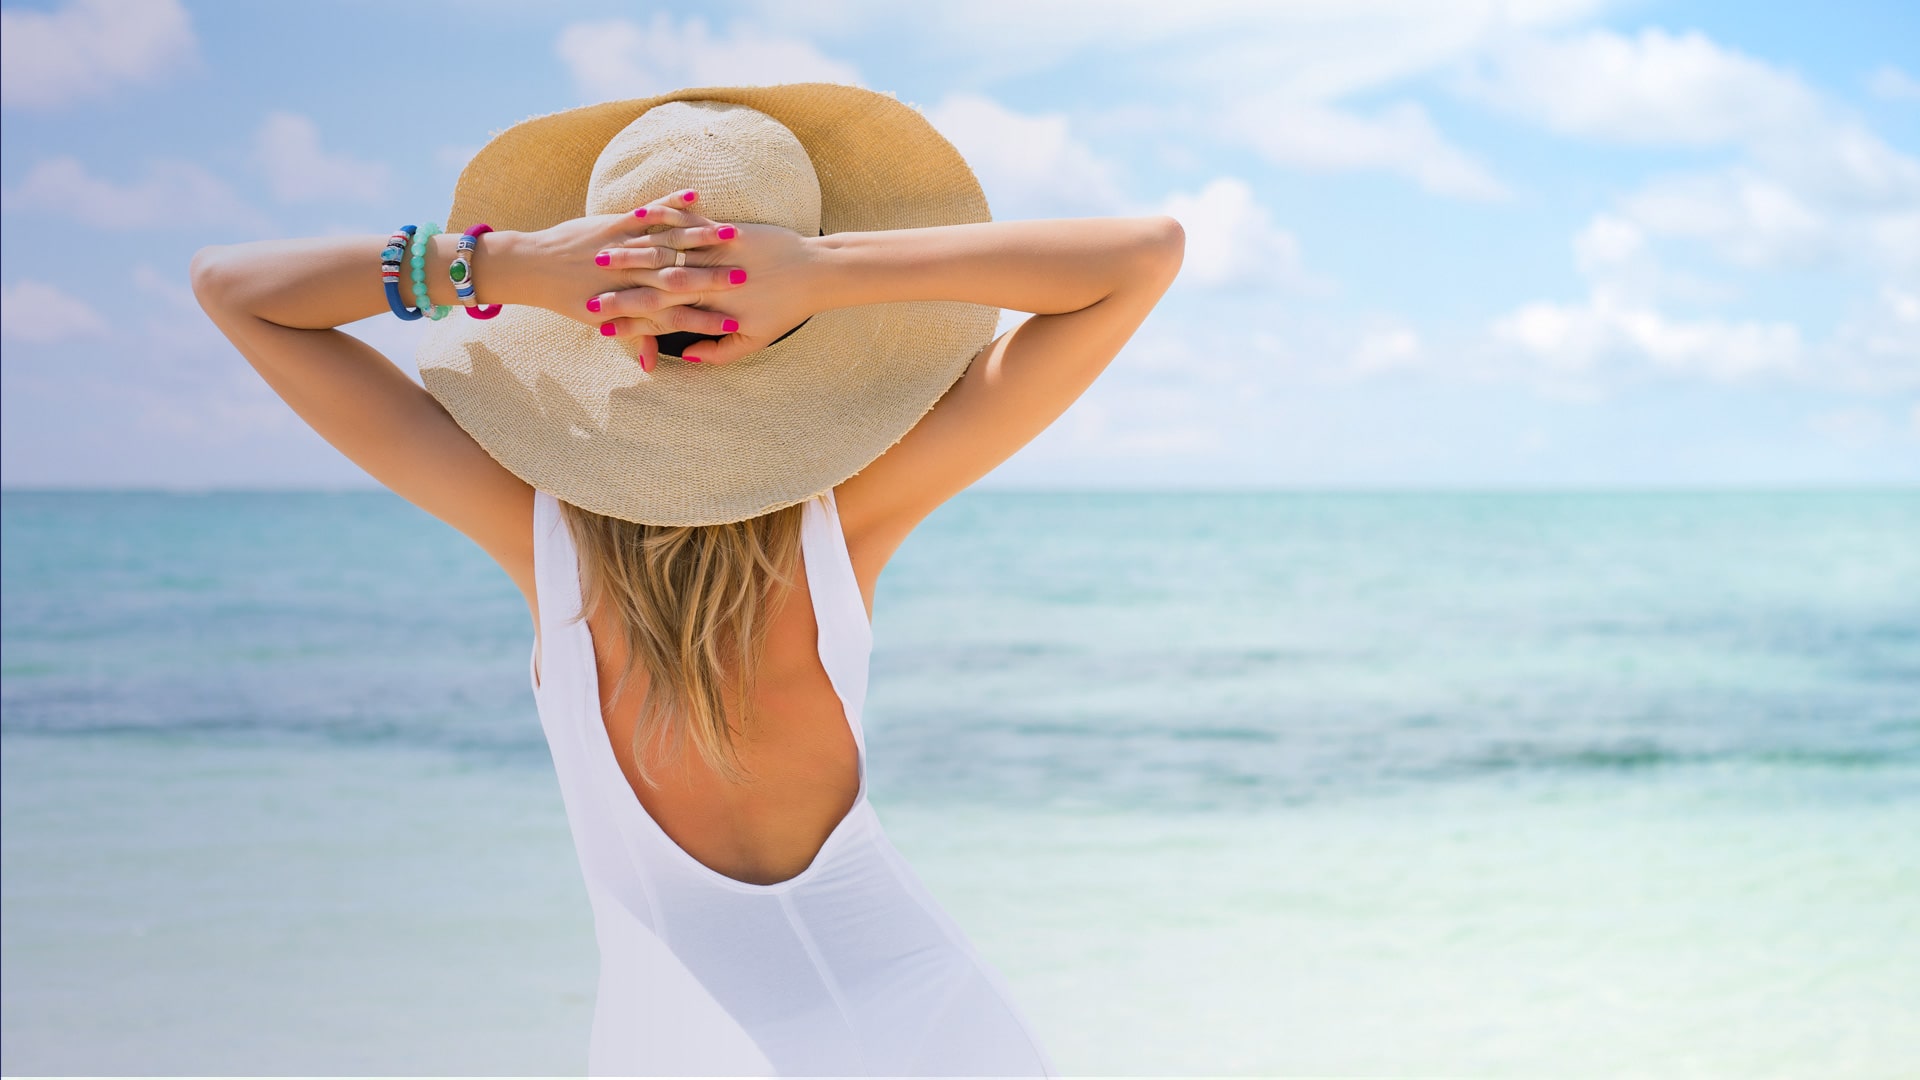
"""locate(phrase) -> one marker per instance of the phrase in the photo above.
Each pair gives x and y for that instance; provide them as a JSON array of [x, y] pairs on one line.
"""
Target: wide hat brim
[[572, 413]]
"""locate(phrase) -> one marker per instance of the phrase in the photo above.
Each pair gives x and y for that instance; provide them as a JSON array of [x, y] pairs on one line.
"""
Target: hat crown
[[747, 166]]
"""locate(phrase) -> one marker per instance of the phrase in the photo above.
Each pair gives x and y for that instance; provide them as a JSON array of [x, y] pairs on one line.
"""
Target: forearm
[[1045, 267], [323, 282]]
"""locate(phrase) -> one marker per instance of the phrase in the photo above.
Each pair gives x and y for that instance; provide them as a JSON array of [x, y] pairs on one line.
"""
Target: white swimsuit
[[850, 968]]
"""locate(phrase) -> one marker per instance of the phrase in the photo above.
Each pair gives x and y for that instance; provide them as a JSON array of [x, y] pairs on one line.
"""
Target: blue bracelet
[[420, 298], [391, 259]]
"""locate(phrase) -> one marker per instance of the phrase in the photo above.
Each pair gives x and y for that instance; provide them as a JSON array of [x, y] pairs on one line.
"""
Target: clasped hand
[[741, 282]]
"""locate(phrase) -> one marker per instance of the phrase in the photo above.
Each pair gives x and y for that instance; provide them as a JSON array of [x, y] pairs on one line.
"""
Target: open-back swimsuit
[[849, 968]]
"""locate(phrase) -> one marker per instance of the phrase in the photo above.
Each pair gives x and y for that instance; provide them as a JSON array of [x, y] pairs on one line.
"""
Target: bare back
[[800, 750]]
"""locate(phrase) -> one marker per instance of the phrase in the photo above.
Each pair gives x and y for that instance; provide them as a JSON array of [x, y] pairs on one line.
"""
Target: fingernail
[[593, 304], [737, 277], [727, 232], [606, 329], [642, 212], [728, 326], [689, 359], [690, 196], [603, 259], [646, 363]]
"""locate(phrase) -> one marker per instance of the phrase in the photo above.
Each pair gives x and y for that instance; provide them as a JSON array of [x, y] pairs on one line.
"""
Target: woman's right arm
[[1090, 282]]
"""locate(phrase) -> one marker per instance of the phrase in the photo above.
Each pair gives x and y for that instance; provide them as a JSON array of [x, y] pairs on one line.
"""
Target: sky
[[1537, 244]]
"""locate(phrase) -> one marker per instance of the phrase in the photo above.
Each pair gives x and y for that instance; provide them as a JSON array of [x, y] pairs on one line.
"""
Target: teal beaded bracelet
[[419, 268]]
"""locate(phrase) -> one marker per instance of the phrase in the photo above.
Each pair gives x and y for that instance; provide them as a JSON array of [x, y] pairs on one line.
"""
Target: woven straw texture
[[571, 412]]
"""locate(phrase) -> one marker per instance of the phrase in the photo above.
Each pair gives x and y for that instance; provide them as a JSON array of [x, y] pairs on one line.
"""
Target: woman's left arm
[[279, 301]]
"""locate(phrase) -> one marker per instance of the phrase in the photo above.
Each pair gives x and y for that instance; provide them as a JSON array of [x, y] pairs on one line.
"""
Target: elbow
[[1169, 238], [214, 281], [1163, 247]]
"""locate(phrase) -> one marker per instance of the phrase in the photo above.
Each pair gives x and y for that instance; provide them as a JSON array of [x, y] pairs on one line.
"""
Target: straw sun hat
[[571, 412]]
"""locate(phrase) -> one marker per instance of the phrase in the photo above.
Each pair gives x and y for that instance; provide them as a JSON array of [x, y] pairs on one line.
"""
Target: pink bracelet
[[461, 272]]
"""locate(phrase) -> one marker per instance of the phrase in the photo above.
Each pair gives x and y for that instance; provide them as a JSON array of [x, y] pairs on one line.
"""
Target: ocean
[[1504, 785]]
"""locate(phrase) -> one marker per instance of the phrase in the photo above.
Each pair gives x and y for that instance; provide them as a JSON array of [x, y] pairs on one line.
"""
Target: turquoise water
[[1502, 785]]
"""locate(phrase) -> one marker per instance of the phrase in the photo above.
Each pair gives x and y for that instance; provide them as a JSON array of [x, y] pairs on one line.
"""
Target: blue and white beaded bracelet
[[392, 257]]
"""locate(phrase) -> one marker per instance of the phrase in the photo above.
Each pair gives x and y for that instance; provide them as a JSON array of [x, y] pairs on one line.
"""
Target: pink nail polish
[[642, 212], [737, 277], [606, 329], [690, 359], [727, 232], [593, 304], [690, 196], [603, 259], [728, 326]]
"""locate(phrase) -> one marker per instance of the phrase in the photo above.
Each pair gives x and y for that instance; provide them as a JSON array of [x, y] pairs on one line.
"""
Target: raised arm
[[1090, 282], [279, 300]]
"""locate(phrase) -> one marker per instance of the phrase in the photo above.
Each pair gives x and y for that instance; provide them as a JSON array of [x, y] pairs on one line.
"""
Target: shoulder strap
[[556, 567], [846, 637]]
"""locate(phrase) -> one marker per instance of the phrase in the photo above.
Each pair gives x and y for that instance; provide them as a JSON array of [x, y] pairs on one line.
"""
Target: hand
[[667, 273], [564, 269], [768, 283]]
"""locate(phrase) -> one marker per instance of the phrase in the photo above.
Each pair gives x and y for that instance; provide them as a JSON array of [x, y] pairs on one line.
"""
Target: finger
[[686, 279], [725, 351], [638, 302], [687, 236], [627, 331], [648, 254], [641, 302], [695, 320], [635, 257], [647, 267], [647, 351], [689, 319], [647, 218]]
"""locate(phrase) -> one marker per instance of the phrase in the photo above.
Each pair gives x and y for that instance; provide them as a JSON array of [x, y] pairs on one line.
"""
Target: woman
[[745, 349]]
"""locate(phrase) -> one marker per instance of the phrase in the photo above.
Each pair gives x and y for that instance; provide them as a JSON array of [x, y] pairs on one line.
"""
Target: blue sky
[[1551, 243]]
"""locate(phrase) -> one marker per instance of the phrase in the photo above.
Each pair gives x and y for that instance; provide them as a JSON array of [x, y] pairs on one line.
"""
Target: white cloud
[[1658, 88], [1306, 50], [1397, 138], [1278, 73], [1607, 242], [618, 58], [1621, 321], [31, 311], [1751, 219], [1893, 84], [1030, 166], [1816, 186], [172, 194], [287, 148], [1840, 162], [1231, 238], [89, 49], [1576, 339], [1391, 349], [1623, 324], [1877, 345]]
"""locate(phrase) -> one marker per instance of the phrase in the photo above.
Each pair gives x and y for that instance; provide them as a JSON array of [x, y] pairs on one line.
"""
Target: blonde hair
[[693, 606]]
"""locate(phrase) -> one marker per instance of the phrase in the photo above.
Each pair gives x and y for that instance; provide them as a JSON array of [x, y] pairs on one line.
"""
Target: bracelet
[[390, 259], [420, 298], [460, 272]]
